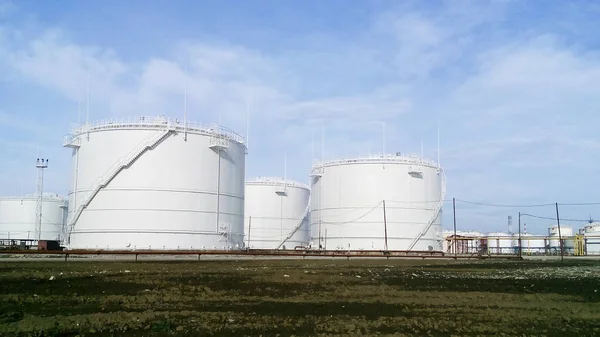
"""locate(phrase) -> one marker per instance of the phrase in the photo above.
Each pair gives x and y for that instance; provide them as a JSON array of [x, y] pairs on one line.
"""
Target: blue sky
[[514, 84]]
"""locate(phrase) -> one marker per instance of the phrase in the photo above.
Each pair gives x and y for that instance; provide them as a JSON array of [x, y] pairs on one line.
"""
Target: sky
[[515, 86]]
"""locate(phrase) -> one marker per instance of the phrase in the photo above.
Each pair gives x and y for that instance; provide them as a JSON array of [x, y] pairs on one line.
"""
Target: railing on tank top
[[398, 158], [277, 181], [157, 122]]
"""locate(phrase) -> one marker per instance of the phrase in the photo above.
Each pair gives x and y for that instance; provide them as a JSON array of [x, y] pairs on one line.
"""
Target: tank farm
[[158, 185]]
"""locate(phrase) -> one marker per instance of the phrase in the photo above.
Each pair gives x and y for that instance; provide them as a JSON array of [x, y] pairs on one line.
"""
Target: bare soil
[[300, 298]]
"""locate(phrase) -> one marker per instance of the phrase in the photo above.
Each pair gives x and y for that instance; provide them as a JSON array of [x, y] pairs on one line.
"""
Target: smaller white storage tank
[[530, 244], [276, 214], [566, 232], [592, 239], [18, 217], [500, 243]]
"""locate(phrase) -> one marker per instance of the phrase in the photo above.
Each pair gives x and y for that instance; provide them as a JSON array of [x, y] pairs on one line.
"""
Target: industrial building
[[465, 242], [276, 214], [390, 202], [18, 217], [155, 183]]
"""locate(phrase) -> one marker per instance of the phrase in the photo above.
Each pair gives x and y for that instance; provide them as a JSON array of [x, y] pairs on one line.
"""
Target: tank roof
[[397, 158], [276, 181], [155, 122]]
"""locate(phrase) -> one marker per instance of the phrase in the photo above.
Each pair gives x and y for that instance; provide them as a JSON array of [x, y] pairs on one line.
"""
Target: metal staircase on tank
[[297, 227], [436, 213], [119, 166]]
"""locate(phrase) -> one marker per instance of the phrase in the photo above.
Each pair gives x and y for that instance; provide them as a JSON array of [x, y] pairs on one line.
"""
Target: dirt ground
[[300, 298]]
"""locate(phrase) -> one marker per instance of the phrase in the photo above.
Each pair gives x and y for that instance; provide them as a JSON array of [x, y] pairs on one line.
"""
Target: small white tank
[[592, 239], [530, 244], [500, 243], [566, 232], [18, 217]]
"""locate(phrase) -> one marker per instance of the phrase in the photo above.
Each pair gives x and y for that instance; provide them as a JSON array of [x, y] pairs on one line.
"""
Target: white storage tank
[[155, 183], [18, 217], [348, 198], [276, 214], [500, 243], [592, 239], [530, 244], [567, 234]]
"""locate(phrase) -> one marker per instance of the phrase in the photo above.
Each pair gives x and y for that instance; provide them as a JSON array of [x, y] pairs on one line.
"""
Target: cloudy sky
[[515, 86]]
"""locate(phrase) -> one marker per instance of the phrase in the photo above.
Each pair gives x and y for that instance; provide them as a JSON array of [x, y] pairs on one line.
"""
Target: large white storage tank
[[348, 198], [155, 183], [18, 217], [276, 214], [566, 233], [592, 238], [500, 243]]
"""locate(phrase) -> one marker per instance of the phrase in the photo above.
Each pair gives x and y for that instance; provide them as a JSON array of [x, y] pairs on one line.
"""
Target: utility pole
[[41, 164], [249, 227], [385, 227], [520, 244], [560, 243], [454, 217]]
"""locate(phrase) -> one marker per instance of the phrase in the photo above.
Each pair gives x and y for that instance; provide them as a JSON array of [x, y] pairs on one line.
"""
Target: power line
[[552, 218], [500, 205], [525, 205], [580, 204]]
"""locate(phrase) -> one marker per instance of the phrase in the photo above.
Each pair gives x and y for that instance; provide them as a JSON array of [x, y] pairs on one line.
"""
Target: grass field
[[299, 297]]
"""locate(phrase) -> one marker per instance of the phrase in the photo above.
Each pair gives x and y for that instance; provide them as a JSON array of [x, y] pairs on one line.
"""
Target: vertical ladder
[[112, 172]]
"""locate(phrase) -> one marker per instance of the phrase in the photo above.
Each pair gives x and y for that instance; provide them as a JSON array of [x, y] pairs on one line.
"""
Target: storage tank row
[[508, 243], [157, 183]]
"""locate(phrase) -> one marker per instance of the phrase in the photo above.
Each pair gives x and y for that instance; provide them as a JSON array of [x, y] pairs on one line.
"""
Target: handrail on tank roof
[[396, 158], [276, 180], [45, 196], [154, 122]]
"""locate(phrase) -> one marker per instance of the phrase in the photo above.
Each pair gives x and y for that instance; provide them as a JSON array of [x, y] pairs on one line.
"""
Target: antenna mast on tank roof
[[185, 99], [322, 144], [438, 144], [87, 105]]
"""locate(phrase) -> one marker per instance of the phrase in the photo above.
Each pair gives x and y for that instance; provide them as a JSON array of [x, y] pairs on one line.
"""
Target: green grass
[[316, 298]]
